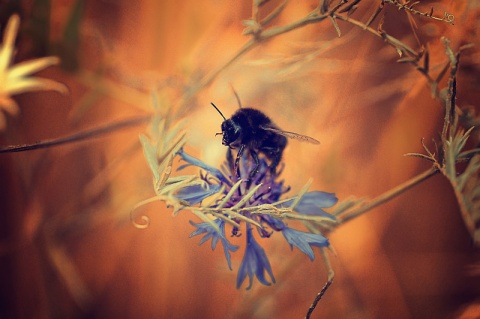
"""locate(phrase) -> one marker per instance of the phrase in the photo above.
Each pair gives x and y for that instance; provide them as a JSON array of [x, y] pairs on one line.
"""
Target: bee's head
[[230, 132]]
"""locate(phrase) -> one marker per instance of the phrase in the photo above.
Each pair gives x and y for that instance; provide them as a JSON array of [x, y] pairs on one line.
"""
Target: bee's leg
[[237, 160], [257, 164], [230, 160], [277, 157]]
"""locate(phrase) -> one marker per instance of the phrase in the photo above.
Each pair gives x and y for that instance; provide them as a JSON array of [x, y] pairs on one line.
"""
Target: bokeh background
[[68, 248]]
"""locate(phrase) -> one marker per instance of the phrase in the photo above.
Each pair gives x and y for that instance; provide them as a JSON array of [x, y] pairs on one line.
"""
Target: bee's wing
[[295, 136]]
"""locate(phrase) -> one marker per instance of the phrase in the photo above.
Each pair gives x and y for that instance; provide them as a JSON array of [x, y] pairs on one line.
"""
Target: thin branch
[[80, 136], [317, 298], [261, 36], [467, 155], [274, 13], [330, 277], [250, 44], [397, 44], [407, 6], [385, 197]]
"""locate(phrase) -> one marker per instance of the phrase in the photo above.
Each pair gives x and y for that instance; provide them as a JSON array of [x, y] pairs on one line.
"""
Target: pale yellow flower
[[15, 79]]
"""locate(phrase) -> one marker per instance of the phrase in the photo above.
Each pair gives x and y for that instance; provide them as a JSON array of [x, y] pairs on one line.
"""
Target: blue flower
[[215, 236], [254, 263], [266, 189], [196, 193], [303, 240], [196, 162], [312, 203]]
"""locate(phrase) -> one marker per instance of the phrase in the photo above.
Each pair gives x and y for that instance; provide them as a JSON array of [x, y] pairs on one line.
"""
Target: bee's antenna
[[216, 108], [236, 96]]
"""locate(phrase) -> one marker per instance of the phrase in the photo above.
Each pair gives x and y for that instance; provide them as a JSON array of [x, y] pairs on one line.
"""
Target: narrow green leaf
[[442, 72], [337, 28], [241, 217], [225, 218], [166, 170], [274, 13], [206, 219], [150, 156], [317, 219], [38, 26], [423, 156], [426, 60], [215, 197], [70, 44], [302, 192], [406, 59], [229, 194], [246, 197]]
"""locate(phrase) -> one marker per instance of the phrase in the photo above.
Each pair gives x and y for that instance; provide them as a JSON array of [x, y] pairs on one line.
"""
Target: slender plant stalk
[[331, 274], [318, 297], [80, 136], [349, 215], [388, 195], [250, 44], [261, 36], [387, 38]]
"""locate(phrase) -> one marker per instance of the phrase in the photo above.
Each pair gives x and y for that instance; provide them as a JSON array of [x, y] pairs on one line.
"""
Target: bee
[[249, 129]]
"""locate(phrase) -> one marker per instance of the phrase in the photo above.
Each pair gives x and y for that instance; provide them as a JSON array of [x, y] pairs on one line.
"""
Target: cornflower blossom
[[254, 201], [16, 79]]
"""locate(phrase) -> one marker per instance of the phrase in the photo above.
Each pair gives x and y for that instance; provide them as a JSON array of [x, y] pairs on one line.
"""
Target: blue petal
[[275, 224], [303, 240], [211, 233], [196, 193], [196, 162], [313, 202], [254, 263]]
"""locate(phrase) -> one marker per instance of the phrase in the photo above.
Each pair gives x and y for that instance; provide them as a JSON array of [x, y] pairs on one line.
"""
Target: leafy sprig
[[452, 151]]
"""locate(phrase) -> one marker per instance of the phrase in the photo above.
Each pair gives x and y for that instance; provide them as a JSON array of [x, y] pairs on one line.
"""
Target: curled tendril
[[448, 17], [144, 224], [145, 220]]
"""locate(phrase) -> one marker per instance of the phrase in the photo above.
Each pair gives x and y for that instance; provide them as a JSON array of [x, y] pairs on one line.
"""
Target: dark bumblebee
[[252, 130]]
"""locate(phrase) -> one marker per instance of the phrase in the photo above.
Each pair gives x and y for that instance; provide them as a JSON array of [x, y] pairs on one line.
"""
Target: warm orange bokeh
[[68, 248]]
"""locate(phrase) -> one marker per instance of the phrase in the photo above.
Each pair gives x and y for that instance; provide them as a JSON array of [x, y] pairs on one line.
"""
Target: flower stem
[[250, 44], [80, 136], [262, 35], [318, 297], [387, 38], [385, 197]]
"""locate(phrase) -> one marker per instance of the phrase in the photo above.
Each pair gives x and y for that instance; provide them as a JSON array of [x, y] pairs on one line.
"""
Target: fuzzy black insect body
[[249, 129]]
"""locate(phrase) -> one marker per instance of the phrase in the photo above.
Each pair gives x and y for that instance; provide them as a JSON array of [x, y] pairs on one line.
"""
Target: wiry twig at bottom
[[317, 298], [330, 277]]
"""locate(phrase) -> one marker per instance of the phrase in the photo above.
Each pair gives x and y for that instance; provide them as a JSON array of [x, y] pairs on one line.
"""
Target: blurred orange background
[[68, 248]]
